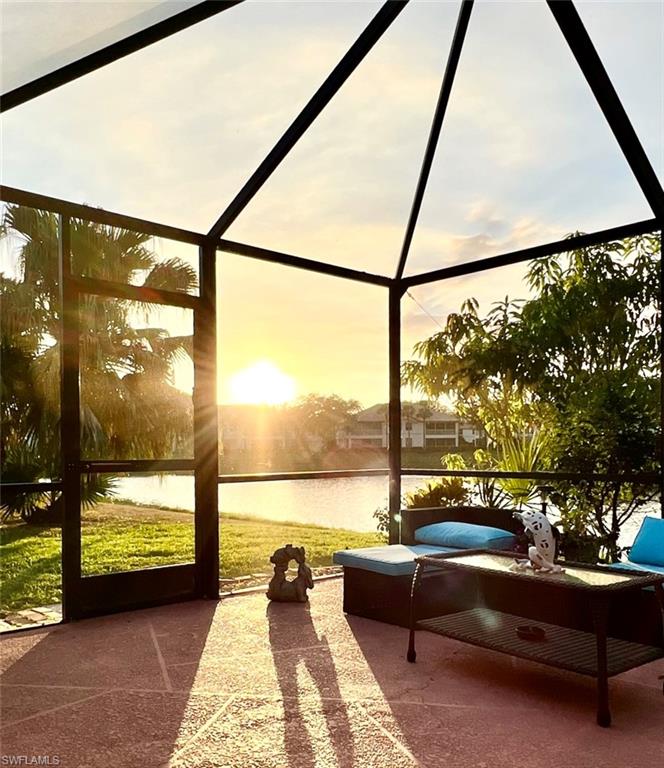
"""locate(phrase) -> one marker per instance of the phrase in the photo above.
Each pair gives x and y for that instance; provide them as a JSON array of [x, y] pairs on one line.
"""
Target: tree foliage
[[578, 362], [322, 416], [460, 362], [129, 406]]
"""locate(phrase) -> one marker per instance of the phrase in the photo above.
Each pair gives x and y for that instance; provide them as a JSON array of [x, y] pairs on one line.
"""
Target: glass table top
[[572, 576]]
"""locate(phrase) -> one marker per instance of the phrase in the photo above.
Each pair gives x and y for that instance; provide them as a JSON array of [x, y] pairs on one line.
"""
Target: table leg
[[412, 655], [659, 591], [600, 613]]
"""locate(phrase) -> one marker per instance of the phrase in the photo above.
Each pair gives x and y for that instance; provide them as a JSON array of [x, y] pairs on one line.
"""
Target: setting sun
[[262, 382]]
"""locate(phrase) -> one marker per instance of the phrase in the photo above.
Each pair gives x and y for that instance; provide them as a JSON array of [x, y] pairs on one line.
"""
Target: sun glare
[[262, 383]]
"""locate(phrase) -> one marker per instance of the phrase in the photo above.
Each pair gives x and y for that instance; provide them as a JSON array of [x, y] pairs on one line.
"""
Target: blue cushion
[[644, 568], [648, 547], [465, 536], [390, 560]]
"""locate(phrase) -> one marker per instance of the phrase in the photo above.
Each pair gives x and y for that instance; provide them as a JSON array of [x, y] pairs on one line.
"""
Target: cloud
[[173, 132], [435, 247]]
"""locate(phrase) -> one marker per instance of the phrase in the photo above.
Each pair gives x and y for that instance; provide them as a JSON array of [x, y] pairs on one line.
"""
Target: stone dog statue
[[542, 554], [282, 590]]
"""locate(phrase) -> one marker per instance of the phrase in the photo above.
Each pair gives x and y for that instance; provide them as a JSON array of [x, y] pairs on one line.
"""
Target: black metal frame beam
[[106, 593], [326, 474], [394, 413], [310, 265], [600, 83], [344, 69], [122, 221], [206, 434], [642, 477], [536, 252], [32, 487], [111, 466], [126, 292], [98, 215], [83, 596], [436, 126], [110, 53], [70, 425]]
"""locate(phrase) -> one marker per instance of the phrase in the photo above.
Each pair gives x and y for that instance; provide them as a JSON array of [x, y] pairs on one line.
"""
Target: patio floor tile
[[113, 728], [241, 684]]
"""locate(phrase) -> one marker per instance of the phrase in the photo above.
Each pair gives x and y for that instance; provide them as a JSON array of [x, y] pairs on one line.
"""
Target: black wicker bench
[[377, 581]]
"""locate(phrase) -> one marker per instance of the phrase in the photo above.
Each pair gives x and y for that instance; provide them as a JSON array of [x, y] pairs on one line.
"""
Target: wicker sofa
[[377, 580], [377, 583]]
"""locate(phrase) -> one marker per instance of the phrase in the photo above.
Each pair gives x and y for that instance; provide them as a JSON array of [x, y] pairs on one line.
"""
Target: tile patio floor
[[246, 685]]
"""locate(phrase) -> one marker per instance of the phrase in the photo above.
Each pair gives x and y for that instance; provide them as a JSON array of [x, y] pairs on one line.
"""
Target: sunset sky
[[173, 131]]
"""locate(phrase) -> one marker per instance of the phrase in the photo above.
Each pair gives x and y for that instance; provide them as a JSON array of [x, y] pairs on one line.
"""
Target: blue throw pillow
[[465, 536], [648, 546]]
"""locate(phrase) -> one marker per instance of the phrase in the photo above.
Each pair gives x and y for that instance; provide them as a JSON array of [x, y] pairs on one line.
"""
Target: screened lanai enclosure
[[329, 201]]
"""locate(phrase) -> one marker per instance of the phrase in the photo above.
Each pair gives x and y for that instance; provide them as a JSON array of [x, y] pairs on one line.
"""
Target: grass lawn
[[116, 541]]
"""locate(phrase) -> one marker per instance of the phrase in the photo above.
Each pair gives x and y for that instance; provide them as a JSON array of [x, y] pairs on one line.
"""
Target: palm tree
[[129, 406]]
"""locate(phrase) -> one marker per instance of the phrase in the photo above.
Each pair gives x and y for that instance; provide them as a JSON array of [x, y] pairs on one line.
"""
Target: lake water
[[337, 503]]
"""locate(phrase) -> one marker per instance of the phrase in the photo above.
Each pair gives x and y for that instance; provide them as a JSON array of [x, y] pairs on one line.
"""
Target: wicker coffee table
[[593, 653]]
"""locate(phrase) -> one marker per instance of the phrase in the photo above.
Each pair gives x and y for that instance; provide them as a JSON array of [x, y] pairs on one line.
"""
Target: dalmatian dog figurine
[[544, 550]]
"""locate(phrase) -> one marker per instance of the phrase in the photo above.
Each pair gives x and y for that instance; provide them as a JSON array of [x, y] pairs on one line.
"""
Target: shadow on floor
[[101, 687], [289, 622], [507, 701]]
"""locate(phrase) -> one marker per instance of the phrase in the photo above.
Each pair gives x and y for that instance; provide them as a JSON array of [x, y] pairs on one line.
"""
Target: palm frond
[[172, 275]]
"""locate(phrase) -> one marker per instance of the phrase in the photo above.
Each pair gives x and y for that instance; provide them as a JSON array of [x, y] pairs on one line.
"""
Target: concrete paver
[[244, 684]]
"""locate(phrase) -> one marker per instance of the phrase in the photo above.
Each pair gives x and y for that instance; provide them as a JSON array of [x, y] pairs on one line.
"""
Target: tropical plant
[[610, 428], [453, 363], [129, 406], [521, 453], [447, 492], [578, 362], [484, 490]]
